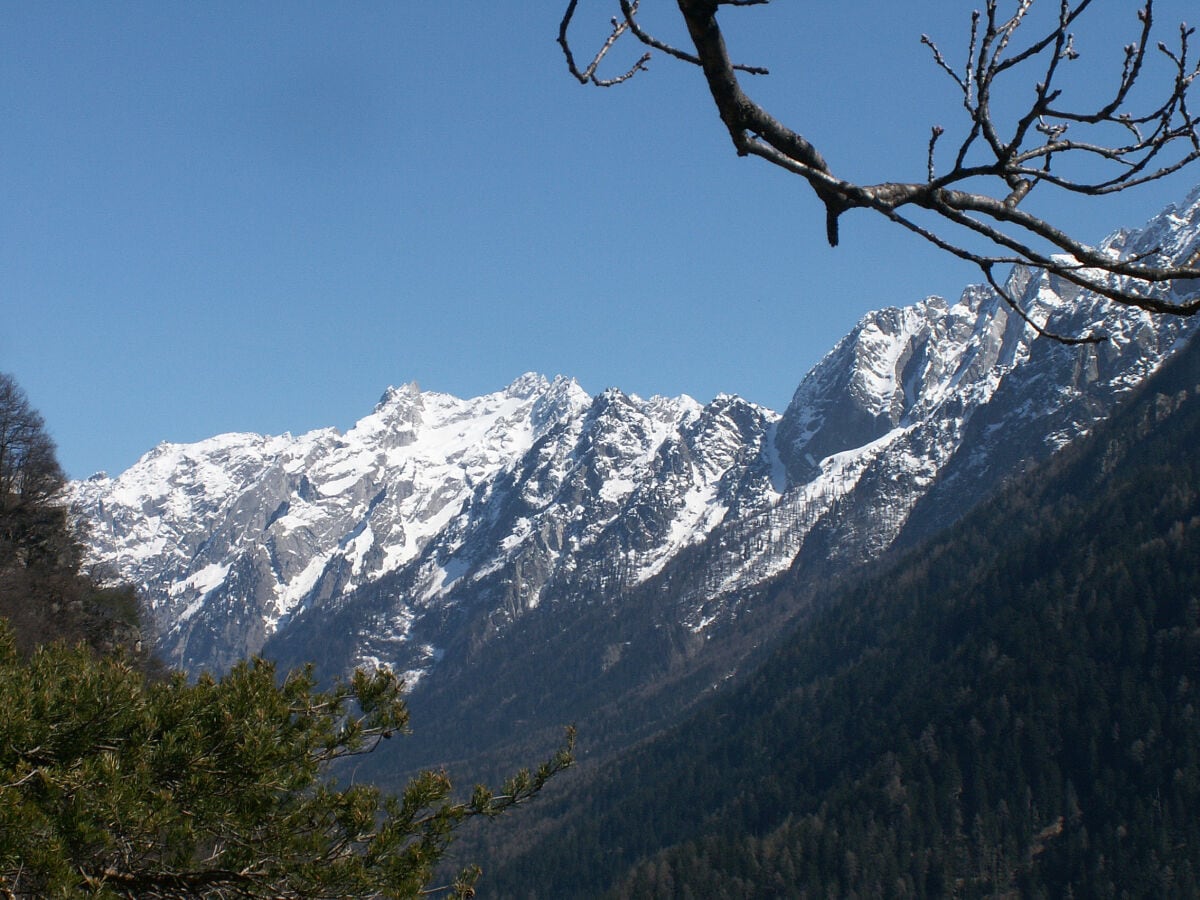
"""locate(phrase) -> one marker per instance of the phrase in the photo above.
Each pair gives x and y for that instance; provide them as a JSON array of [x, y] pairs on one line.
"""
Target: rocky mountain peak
[[436, 524]]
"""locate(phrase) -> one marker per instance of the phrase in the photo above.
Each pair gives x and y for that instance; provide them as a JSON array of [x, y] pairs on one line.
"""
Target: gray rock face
[[437, 524]]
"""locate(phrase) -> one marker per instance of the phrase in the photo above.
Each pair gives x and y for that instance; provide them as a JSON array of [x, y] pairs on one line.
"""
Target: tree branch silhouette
[[976, 190]]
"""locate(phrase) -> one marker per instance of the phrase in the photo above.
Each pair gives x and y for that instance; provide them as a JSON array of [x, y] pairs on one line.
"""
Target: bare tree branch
[[1049, 143], [627, 23], [589, 74]]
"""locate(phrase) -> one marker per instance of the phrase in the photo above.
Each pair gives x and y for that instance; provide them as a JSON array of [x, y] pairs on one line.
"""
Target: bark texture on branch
[[1039, 148]]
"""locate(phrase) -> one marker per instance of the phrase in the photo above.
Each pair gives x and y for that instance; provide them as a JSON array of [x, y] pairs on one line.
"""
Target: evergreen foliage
[[115, 786], [1011, 710]]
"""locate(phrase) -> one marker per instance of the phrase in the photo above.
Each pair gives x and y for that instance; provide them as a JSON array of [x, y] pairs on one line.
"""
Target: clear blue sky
[[256, 216]]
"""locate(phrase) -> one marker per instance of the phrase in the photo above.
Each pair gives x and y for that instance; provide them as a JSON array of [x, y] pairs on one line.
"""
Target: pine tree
[[112, 785]]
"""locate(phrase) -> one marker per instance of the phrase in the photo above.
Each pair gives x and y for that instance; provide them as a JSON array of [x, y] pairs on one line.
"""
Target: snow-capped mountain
[[228, 536], [436, 525]]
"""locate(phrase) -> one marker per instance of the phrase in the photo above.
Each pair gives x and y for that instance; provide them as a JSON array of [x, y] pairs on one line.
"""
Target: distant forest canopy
[[1009, 710]]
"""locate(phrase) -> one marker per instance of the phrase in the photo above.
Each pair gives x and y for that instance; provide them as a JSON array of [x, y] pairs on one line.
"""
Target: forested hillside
[[1009, 710]]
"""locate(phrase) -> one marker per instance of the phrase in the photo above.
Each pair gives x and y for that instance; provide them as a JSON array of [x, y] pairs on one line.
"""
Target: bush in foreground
[[113, 786]]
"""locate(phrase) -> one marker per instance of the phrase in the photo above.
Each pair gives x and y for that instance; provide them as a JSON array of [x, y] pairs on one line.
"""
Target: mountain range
[[537, 554], [1007, 709]]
